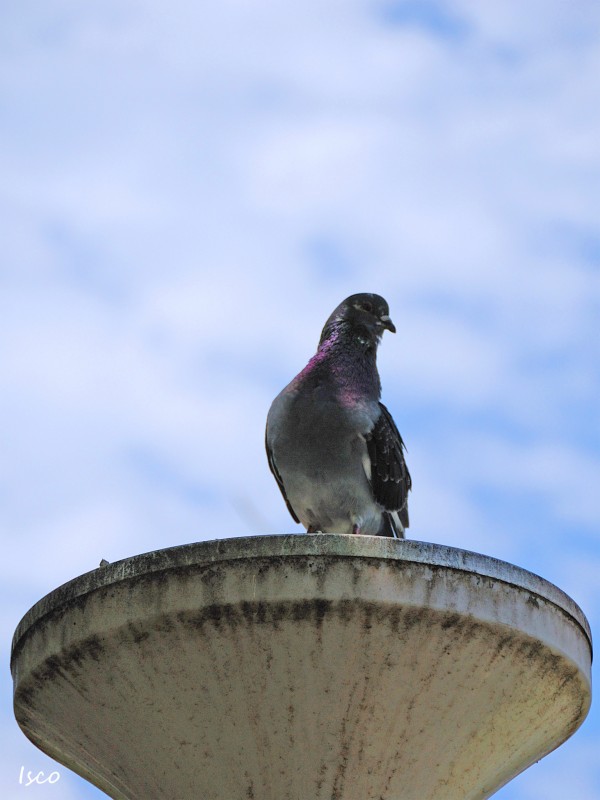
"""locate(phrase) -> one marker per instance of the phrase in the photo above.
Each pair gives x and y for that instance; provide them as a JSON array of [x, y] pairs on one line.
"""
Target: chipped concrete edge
[[293, 545]]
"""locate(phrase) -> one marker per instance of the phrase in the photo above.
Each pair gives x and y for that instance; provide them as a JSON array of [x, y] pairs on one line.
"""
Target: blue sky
[[189, 191]]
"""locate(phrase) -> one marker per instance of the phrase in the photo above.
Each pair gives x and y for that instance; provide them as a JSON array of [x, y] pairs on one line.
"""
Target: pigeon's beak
[[387, 323]]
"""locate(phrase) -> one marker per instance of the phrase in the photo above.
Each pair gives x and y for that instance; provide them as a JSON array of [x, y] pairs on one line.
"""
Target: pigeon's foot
[[356, 529], [313, 529]]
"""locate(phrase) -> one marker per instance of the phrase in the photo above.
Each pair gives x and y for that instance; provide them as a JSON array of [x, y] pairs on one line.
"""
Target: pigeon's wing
[[389, 476], [277, 477]]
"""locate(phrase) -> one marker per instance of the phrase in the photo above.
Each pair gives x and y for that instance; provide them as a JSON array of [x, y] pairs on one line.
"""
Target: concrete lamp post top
[[302, 667]]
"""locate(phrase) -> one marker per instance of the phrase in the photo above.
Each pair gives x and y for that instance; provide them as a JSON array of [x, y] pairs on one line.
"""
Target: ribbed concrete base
[[302, 667]]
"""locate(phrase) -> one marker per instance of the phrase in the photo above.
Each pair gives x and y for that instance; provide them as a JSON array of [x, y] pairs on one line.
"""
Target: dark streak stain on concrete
[[301, 668]]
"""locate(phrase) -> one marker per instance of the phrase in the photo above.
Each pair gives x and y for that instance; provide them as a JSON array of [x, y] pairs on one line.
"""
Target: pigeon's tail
[[391, 525]]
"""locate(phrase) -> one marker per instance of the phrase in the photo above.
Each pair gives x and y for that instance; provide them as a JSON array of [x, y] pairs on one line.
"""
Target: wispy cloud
[[187, 194]]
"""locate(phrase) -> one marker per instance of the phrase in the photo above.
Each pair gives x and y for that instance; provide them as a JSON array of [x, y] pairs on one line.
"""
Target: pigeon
[[332, 446]]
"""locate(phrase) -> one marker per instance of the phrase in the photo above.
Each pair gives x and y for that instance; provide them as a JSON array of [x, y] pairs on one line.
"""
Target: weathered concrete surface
[[302, 668]]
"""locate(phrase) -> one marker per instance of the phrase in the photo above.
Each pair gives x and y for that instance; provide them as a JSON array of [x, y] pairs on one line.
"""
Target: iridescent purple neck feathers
[[346, 359]]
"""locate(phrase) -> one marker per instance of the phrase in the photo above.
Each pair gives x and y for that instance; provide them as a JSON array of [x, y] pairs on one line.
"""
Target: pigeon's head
[[365, 313]]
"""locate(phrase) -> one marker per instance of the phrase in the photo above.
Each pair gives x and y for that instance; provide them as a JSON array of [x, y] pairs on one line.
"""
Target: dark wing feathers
[[277, 477], [390, 478]]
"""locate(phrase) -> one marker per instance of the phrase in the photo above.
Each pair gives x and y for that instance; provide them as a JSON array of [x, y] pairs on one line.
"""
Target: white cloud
[[174, 184]]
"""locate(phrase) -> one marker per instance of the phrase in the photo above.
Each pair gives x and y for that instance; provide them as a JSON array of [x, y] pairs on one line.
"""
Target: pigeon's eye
[[368, 307]]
